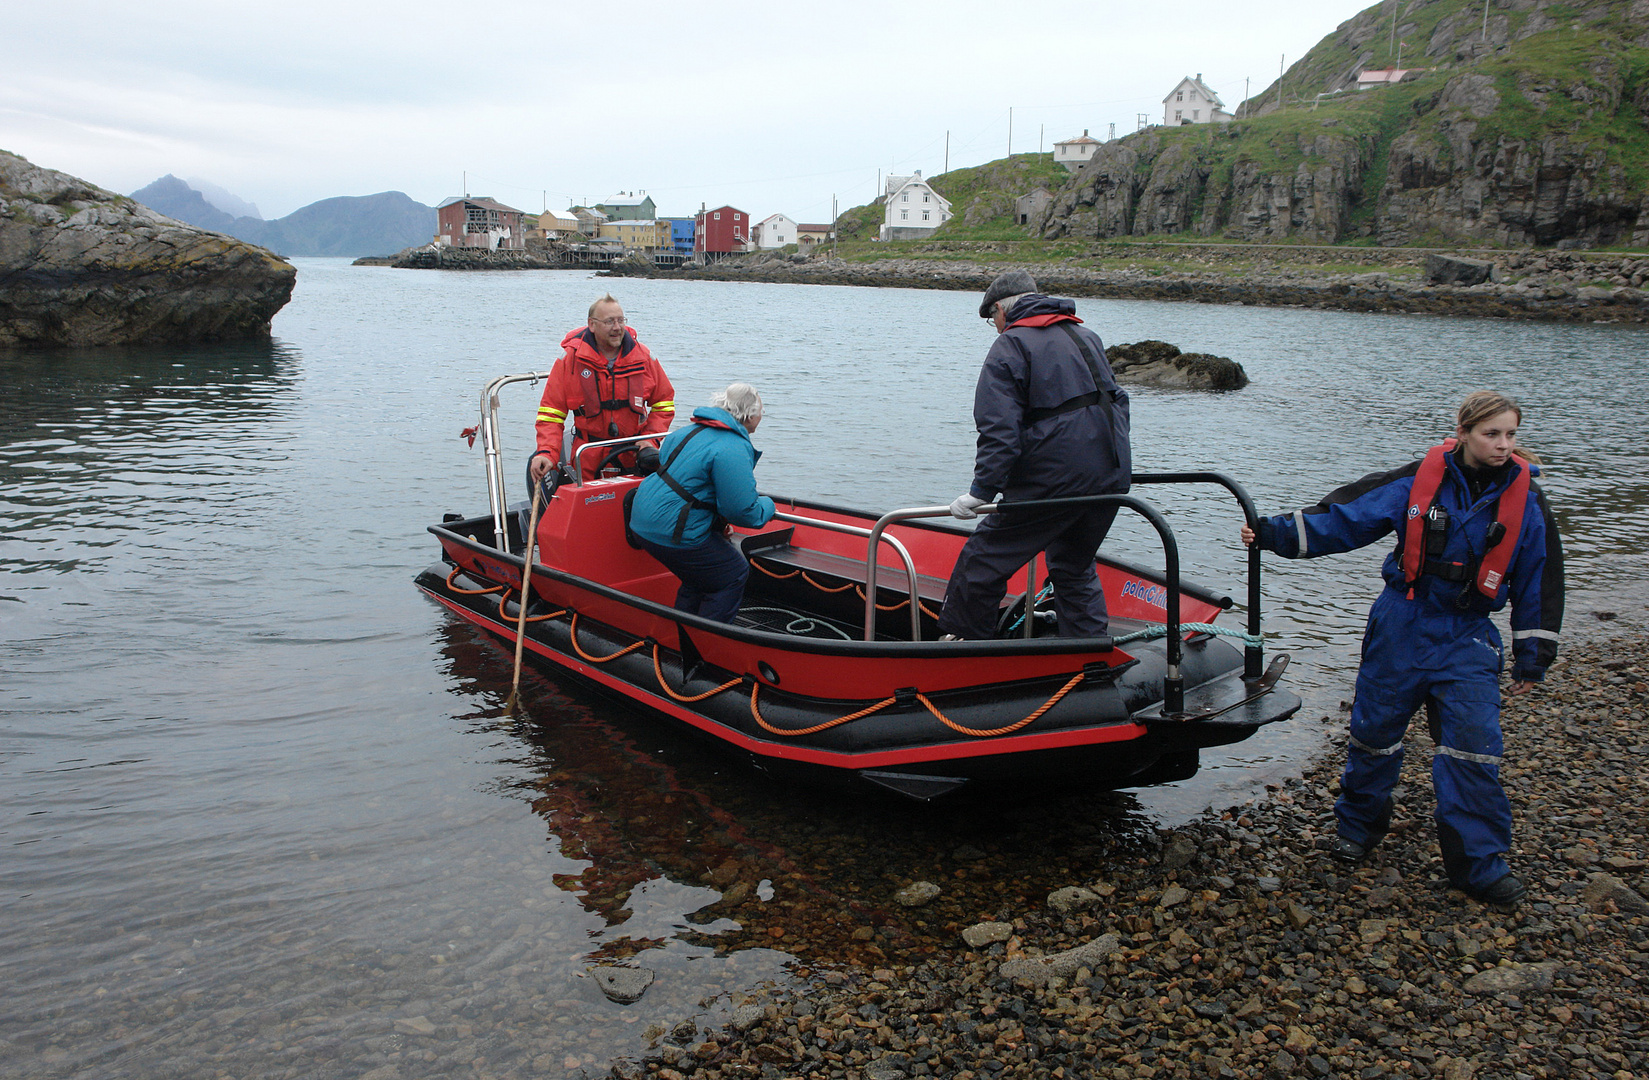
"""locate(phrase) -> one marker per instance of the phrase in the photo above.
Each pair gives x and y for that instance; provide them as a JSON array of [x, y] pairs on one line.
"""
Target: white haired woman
[[1473, 533], [706, 480]]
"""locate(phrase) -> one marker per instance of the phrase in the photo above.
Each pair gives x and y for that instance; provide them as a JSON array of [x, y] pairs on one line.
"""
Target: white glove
[[965, 505]]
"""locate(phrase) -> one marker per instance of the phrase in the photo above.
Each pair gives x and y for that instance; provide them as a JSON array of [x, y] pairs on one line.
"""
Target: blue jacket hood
[[716, 468]]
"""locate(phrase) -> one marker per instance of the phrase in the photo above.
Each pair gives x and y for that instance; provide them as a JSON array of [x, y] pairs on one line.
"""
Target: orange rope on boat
[[505, 599], [572, 636], [658, 669], [929, 612], [1046, 705], [772, 573], [895, 607], [755, 711], [468, 592], [825, 588]]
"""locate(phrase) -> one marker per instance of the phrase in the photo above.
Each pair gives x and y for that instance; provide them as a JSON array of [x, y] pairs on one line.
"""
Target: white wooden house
[[1192, 102], [1075, 153], [773, 231], [913, 209]]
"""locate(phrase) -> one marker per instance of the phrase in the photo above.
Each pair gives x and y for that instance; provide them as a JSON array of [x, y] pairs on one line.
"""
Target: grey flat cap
[[1008, 283]]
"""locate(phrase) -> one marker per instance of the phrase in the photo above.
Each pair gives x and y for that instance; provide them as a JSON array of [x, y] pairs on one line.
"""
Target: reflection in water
[[90, 437], [660, 820]]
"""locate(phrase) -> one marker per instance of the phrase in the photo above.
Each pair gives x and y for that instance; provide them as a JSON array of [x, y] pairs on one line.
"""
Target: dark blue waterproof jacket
[[717, 468], [1362, 513], [1052, 422]]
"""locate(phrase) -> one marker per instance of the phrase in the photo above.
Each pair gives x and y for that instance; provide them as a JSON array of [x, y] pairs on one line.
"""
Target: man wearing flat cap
[[1053, 423]]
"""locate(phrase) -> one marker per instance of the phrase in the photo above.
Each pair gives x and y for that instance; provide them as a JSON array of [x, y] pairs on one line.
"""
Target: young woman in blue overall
[[1472, 533]]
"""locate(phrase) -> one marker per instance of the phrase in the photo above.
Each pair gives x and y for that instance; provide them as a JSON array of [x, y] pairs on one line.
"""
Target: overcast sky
[[772, 107]]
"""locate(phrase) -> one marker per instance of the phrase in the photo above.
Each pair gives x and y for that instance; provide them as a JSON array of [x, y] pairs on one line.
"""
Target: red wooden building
[[479, 223], [721, 231]]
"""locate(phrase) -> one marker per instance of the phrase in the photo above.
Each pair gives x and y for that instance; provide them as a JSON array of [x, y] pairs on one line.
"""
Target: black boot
[[1502, 894], [1350, 852]]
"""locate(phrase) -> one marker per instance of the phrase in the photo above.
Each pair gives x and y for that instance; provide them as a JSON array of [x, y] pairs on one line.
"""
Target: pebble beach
[[1232, 946]]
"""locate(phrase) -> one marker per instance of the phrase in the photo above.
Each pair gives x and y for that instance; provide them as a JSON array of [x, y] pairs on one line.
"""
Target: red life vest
[[1509, 513], [628, 387]]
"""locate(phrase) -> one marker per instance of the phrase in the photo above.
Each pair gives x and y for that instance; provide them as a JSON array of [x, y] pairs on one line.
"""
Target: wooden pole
[[526, 588]]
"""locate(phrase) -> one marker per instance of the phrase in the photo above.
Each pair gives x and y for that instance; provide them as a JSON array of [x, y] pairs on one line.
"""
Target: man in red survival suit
[[609, 384]]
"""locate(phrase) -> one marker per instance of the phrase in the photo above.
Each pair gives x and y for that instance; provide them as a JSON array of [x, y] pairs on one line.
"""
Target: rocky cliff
[[1528, 129], [83, 266]]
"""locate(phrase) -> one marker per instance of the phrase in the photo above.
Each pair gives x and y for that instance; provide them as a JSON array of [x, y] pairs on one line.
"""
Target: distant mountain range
[[351, 225]]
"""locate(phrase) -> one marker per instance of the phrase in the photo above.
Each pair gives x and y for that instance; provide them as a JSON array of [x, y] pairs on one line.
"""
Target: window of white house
[[1179, 95], [1177, 116], [924, 198], [905, 197], [904, 215], [925, 215]]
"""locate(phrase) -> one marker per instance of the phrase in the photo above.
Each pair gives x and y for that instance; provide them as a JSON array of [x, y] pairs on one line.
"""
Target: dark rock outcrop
[[83, 266], [1455, 270], [1157, 363]]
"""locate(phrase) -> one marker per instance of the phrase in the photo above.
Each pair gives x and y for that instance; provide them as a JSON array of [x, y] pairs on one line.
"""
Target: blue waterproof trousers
[[1003, 544], [1419, 653], [712, 573]]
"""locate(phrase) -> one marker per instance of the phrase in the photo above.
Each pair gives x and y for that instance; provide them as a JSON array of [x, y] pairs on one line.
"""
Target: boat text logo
[[1152, 594]]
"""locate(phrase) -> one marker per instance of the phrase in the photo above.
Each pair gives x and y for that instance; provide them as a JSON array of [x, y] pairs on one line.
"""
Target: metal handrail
[[490, 449], [1253, 655], [578, 451], [870, 589], [1173, 685]]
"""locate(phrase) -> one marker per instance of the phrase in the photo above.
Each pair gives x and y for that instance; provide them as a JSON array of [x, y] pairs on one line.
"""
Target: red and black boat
[[833, 670]]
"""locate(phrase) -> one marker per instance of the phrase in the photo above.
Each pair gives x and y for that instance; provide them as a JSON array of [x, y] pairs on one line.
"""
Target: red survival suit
[[631, 397]]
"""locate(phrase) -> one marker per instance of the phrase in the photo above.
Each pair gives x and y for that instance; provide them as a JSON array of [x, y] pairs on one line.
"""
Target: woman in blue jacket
[[1473, 533], [706, 479]]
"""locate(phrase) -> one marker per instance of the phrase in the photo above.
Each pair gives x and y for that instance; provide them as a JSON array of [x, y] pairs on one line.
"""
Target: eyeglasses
[[616, 320]]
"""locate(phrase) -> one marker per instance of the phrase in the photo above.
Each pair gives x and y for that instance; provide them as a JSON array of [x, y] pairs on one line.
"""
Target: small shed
[[1028, 207]]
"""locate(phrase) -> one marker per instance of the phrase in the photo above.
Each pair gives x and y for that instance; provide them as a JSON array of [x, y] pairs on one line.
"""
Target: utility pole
[[1010, 131], [1245, 89], [1113, 135], [466, 184], [1392, 48], [947, 151], [835, 227], [1485, 22], [1280, 60], [1041, 130]]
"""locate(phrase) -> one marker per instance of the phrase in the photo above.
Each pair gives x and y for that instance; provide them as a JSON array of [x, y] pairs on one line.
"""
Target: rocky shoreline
[[1233, 947], [1548, 286]]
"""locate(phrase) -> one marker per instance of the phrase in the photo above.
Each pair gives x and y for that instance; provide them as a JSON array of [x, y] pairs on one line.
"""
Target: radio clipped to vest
[[1428, 524]]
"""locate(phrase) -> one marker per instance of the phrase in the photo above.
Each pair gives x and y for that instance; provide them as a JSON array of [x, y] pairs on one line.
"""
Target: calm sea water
[[262, 812]]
